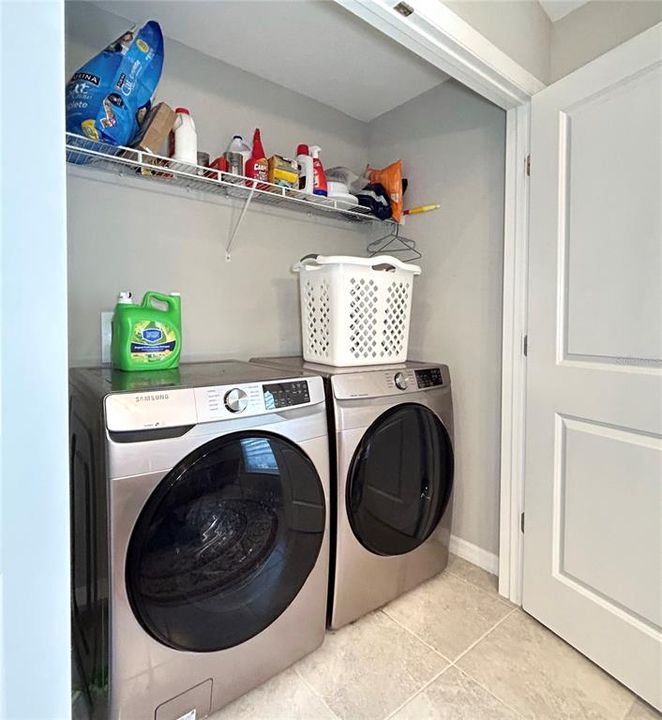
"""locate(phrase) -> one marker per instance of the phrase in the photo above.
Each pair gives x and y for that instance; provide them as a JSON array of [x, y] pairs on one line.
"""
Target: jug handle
[[151, 296]]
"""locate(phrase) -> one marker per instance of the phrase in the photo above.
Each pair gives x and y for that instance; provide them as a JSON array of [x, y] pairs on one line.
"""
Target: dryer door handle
[[426, 490]]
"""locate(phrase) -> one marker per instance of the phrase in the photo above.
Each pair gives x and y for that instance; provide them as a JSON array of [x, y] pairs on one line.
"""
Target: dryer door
[[400, 480], [225, 542]]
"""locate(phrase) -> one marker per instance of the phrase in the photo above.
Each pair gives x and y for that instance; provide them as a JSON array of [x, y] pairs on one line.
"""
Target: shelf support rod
[[235, 230]]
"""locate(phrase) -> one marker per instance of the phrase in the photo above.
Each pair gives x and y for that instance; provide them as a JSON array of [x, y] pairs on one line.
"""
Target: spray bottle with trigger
[[319, 181]]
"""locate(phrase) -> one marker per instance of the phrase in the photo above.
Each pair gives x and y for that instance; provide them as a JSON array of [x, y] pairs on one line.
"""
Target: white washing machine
[[392, 453], [200, 537]]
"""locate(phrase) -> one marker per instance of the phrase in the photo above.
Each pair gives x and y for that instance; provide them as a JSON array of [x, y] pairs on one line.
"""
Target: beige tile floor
[[451, 649]]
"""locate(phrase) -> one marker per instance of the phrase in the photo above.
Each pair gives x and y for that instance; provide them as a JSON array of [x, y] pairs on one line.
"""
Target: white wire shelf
[[83, 151]]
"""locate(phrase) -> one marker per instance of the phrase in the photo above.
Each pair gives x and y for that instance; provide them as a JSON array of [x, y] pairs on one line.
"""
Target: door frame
[[35, 639], [441, 37]]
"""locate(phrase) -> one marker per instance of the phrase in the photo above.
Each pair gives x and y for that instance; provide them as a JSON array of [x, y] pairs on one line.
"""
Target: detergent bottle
[[147, 336]]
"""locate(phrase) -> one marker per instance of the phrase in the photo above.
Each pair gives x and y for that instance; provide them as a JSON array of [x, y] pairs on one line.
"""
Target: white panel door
[[593, 489]]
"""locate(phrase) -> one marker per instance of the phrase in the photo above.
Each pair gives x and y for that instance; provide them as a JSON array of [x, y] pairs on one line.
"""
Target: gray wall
[[520, 28], [124, 238], [596, 27], [452, 143], [550, 50]]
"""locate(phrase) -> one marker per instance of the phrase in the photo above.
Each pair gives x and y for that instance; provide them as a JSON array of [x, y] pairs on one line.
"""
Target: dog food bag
[[108, 95]]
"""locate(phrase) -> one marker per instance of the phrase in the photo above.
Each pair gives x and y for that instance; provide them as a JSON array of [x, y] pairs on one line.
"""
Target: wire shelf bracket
[[235, 229]]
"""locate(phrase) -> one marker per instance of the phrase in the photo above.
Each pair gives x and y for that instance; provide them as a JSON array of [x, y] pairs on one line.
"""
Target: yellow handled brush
[[421, 209]]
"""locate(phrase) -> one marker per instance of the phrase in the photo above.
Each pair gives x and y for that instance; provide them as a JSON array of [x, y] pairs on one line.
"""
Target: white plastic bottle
[[183, 138], [306, 175], [237, 155], [239, 145]]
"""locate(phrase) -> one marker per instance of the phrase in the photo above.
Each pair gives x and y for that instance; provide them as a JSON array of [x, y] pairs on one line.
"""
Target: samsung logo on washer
[[150, 398]]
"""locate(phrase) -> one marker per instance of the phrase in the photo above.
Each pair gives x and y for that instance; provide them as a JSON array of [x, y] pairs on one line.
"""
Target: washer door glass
[[225, 542], [400, 480]]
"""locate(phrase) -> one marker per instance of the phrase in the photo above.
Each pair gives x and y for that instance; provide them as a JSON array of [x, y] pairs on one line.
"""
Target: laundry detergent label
[[152, 341]]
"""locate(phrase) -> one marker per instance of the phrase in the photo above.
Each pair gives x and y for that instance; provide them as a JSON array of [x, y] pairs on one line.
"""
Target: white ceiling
[[557, 9], [313, 47]]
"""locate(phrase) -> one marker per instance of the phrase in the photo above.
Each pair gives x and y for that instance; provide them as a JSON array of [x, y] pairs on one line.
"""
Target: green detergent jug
[[147, 336]]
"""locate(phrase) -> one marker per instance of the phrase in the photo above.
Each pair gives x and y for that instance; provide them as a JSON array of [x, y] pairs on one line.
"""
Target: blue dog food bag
[[106, 96]]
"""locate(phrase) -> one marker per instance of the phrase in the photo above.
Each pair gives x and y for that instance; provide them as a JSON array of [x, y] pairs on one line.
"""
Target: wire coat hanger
[[395, 243]]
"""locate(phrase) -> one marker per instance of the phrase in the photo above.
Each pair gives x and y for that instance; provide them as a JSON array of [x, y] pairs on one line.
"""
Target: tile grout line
[[472, 678], [451, 663], [488, 691], [483, 636], [315, 693], [491, 692], [419, 691], [464, 652], [414, 635]]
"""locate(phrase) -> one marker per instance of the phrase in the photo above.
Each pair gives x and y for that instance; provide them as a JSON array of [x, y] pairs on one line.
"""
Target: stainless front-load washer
[[200, 538], [393, 453]]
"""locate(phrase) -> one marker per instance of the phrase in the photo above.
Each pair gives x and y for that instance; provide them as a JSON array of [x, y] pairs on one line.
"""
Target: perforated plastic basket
[[354, 310]]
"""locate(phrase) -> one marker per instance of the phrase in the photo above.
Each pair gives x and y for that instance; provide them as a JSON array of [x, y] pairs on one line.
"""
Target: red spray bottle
[[319, 181]]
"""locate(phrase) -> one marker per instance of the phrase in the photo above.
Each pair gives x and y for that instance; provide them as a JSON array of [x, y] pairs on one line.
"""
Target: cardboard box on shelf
[[155, 130], [152, 136]]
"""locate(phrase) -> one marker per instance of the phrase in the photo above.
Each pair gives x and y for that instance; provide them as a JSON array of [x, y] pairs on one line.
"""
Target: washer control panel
[[188, 406], [218, 402], [429, 377], [287, 394]]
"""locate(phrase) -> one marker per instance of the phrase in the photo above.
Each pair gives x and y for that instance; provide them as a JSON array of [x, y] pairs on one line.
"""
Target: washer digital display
[[280, 395]]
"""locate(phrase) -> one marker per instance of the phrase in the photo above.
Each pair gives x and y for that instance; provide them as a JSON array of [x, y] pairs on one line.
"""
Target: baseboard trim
[[474, 554]]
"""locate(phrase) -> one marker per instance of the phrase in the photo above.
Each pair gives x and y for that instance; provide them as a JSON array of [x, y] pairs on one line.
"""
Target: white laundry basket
[[354, 310]]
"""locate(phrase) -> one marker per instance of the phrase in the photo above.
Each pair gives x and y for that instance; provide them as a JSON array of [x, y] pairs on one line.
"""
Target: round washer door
[[225, 542], [400, 480]]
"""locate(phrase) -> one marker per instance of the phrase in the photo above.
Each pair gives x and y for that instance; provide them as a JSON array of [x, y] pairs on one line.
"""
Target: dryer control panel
[[397, 380], [429, 377]]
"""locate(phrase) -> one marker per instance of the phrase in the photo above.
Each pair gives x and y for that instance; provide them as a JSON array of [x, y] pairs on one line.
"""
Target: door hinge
[[527, 165], [521, 522], [525, 346]]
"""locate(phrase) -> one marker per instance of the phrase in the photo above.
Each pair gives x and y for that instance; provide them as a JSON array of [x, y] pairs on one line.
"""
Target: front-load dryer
[[393, 456], [200, 533]]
